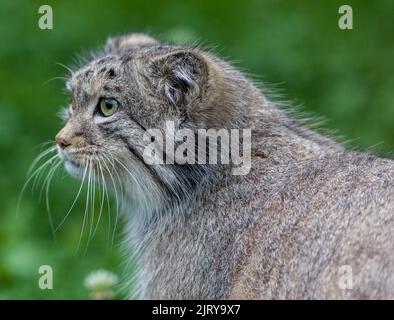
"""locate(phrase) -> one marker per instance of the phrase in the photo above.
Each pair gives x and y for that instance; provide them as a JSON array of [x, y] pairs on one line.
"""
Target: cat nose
[[61, 142]]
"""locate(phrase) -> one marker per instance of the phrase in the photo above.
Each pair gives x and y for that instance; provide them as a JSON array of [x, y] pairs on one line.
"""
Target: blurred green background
[[345, 76]]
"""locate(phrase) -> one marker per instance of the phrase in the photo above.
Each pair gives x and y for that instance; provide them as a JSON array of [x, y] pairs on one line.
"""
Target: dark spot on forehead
[[115, 88], [88, 73], [102, 70], [126, 58], [111, 73]]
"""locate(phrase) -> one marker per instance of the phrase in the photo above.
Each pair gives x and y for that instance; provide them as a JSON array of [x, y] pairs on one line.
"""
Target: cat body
[[290, 242]]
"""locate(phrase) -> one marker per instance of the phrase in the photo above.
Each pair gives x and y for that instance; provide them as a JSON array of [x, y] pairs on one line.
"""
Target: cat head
[[135, 85]]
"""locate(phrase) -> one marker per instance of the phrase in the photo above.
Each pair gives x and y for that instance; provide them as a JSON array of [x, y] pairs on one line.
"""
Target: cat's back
[[322, 217]]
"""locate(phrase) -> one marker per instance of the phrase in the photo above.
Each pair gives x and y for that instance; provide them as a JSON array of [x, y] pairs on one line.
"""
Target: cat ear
[[129, 41], [181, 77]]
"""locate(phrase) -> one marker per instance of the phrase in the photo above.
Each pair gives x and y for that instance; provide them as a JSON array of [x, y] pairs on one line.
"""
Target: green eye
[[108, 107]]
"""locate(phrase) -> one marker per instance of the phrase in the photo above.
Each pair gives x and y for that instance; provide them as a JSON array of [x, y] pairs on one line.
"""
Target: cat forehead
[[114, 64], [97, 71]]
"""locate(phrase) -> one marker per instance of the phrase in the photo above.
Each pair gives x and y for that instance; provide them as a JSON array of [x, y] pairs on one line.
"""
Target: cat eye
[[107, 106]]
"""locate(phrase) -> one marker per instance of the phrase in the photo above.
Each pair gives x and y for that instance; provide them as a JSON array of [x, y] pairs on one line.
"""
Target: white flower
[[100, 280]]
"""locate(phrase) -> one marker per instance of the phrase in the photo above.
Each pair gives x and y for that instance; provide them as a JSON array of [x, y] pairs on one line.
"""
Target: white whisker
[[101, 197], [116, 196], [48, 183], [47, 162], [75, 200], [86, 206]]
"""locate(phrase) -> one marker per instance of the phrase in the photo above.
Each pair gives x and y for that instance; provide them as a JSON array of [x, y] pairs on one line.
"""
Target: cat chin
[[73, 169]]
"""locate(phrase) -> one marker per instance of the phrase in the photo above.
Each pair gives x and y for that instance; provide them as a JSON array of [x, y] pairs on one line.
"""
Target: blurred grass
[[345, 76]]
